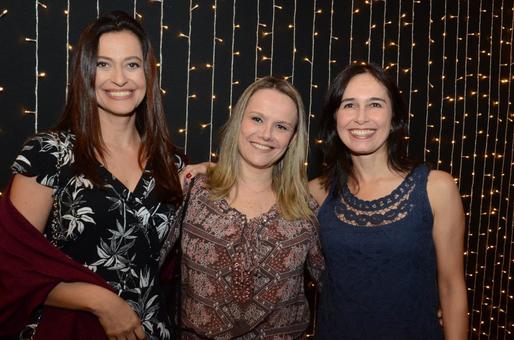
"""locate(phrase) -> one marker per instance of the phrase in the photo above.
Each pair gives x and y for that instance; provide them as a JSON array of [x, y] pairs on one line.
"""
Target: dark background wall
[[453, 60]]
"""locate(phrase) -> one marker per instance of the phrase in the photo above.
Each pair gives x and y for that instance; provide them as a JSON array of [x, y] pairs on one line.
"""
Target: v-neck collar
[[119, 186]]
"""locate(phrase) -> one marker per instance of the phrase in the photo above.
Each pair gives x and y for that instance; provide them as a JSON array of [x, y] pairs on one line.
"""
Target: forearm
[[115, 315], [455, 312], [80, 296]]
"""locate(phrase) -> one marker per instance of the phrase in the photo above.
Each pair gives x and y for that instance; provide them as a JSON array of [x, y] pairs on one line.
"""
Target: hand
[[191, 170], [119, 320]]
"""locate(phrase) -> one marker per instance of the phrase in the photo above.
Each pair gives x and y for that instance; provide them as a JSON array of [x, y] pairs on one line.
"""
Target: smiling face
[[267, 127], [120, 83], [364, 116]]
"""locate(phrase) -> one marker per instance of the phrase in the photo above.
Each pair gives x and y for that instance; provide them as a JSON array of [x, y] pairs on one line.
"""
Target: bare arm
[[448, 234], [34, 202], [115, 315], [317, 191]]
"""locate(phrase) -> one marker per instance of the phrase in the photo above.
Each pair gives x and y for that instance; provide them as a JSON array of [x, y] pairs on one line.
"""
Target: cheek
[[341, 118], [245, 129], [286, 140]]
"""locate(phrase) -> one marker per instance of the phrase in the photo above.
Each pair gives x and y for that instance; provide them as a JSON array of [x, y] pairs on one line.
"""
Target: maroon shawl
[[30, 267]]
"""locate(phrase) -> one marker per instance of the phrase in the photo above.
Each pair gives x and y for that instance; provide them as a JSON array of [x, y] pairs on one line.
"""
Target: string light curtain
[[452, 60]]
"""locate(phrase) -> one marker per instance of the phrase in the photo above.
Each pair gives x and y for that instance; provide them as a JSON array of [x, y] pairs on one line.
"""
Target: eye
[[101, 64], [375, 104], [348, 105], [282, 127], [133, 65], [256, 119]]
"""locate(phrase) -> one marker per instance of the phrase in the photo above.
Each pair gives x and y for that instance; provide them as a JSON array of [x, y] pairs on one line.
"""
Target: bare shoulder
[[443, 193], [317, 190], [440, 180]]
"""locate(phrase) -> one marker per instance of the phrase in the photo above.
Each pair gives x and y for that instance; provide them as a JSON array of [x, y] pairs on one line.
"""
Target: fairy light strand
[[427, 89], [483, 183], [443, 84], [507, 259], [398, 39], [471, 199], [232, 56], [464, 104], [500, 196], [455, 82], [272, 37], [190, 29], [257, 31], [384, 22], [370, 25], [313, 39], [36, 84], [463, 140], [293, 62], [492, 160], [411, 67], [350, 55], [161, 21], [213, 69], [67, 13], [331, 37]]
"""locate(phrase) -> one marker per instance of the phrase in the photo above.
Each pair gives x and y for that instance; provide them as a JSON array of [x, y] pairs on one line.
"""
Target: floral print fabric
[[111, 230], [243, 278]]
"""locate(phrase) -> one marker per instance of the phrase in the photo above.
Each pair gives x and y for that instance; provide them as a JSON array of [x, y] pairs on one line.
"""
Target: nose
[[118, 76], [266, 131], [362, 115]]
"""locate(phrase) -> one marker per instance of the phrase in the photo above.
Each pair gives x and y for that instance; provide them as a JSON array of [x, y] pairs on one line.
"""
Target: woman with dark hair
[[103, 188], [391, 230], [249, 231]]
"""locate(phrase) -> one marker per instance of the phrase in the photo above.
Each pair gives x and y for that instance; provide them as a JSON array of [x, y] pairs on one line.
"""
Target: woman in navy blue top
[[392, 231]]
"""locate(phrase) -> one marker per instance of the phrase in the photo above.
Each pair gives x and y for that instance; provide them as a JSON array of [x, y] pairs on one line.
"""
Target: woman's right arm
[[115, 315], [34, 201]]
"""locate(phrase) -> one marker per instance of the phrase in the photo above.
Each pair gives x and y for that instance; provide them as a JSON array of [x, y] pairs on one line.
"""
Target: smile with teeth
[[361, 132], [119, 94], [260, 146]]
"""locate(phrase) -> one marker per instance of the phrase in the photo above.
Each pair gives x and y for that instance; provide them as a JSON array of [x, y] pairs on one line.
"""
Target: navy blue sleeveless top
[[380, 280]]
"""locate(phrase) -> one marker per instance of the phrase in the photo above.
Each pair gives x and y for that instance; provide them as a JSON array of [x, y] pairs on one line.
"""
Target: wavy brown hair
[[80, 115]]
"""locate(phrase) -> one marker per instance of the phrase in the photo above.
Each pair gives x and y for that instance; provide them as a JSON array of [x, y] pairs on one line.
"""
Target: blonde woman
[[249, 228]]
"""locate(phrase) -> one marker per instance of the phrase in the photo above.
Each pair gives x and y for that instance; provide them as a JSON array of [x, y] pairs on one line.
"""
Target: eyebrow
[[125, 59], [279, 122], [368, 99]]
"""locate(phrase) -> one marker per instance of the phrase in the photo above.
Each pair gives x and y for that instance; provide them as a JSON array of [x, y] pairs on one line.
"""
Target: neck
[[368, 168], [255, 180], [119, 132]]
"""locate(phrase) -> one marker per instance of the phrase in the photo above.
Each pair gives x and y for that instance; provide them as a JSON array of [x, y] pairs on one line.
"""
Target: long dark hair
[[338, 160], [80, 114]]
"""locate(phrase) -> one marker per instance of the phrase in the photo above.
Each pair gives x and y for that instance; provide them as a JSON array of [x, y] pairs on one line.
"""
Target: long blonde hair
[[289, 174]]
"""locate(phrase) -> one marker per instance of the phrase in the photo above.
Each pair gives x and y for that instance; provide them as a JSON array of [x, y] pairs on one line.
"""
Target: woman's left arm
[[448, 234]]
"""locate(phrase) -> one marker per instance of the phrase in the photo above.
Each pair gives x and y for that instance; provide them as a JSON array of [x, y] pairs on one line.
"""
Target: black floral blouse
[[111, 230]]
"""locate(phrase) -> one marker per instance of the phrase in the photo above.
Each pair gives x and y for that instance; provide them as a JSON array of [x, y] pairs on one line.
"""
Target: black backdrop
[[451, 58]]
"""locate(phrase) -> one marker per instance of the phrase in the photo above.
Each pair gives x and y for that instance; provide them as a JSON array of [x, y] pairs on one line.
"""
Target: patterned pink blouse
[[244, 278]]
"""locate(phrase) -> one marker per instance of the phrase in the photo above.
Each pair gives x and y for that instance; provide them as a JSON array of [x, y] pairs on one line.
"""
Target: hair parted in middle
[[80, 115], [338, 160], [289, 173]]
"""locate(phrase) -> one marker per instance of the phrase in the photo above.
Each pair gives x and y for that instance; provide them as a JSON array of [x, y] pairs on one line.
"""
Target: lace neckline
[[381, 202]]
